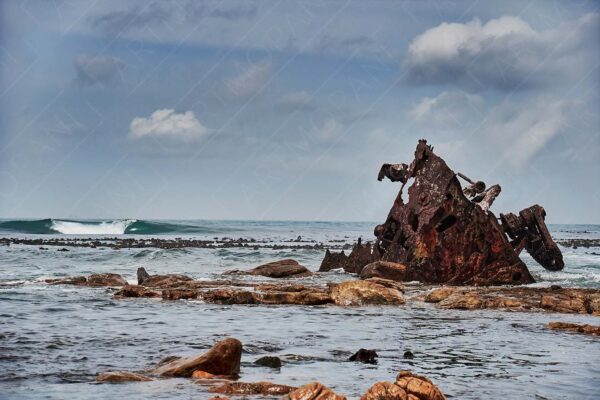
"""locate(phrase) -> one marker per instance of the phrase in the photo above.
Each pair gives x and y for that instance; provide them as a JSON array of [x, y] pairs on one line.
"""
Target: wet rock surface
[[223, 359], [364, 356], [562, 300], [358, 293], [94, 280], [269, 361], [575, 328], [314, 391], [384, 269], [121, 377], [447, 234], [277, 269], [248, 389]]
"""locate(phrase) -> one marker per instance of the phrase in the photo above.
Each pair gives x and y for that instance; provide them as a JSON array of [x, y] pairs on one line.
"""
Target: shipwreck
[[445, 233]]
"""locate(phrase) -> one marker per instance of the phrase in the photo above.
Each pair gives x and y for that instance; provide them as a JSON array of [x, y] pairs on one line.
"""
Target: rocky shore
[[218, 370], [281, 287]]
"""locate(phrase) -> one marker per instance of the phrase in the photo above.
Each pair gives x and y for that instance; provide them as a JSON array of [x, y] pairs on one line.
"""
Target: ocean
[[55, 339]]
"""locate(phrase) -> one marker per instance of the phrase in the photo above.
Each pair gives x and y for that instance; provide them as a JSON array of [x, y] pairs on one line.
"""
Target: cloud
[[251, 81], [331, 129], [122, 21], [167, 123], [101, 70], [504, 53], [448, 108]]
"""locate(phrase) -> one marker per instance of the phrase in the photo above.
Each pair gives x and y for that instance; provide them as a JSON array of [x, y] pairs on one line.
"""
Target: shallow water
[[55, 339]]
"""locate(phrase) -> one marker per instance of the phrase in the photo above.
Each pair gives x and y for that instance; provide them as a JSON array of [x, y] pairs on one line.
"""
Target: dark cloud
[[100, 70], [116, 22], [504, 53]]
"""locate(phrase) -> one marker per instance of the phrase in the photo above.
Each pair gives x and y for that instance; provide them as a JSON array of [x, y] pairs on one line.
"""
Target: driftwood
[[447, 234]]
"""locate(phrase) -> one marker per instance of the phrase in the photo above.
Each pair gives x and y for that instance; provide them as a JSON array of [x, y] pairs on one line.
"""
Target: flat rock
[[384, 269], [135, 291], [121, 376], [223, 359], [248, 389], [96, 280], [277, 269], [575, 328], [314, 391], [358, 293], [71, 280]]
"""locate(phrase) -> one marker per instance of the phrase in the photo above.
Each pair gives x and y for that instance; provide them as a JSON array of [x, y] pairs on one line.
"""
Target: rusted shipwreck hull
[[447, 234]]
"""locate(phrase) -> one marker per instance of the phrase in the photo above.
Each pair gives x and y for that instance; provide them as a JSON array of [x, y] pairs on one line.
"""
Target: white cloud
[[293, 101], [504, 53], [448, 109], [250, 81], [167, 123]]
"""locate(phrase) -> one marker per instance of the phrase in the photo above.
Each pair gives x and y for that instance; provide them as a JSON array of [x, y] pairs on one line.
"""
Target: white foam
[[116, 227]]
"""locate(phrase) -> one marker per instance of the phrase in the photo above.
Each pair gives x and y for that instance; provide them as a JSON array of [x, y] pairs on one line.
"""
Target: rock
[[142, 275], [358, 293], [384, 269], [166, 281], [168, 359], [408, 355], [179, 294], [72, 280], [385, 391], [96, 280], [135, 291], [228, 296], [437, 295], [249, 389], [447, 234], [314, 391], [219, 398], [269, 361], [306, 297], [418, 386], [277, 269], [364, 356], [198, 374], [121, 376], [576, 328], [223, 359]]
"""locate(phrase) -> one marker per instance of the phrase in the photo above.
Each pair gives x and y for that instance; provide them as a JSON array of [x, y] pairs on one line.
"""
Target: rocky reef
[[447, 234]]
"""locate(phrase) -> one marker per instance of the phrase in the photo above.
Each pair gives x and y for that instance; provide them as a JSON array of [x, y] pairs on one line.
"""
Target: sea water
[[55, 339]]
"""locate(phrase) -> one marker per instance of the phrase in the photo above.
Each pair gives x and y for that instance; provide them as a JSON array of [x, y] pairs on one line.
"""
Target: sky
[[285, 110]]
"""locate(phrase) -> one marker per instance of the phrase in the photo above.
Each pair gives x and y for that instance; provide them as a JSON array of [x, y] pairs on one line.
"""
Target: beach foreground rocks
[[277, 269], [408, 386], [314, 391], [359, 293]]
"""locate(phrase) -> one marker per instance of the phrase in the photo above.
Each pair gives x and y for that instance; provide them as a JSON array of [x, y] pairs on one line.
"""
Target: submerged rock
[[249, 389], [277, 269], [575, 328], [364, 356], [223, 359], [120, 377], [358, 293], [269, 361], [314, 391]]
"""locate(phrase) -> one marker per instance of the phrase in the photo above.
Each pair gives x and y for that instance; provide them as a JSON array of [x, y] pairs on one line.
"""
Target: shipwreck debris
[[447, 234]]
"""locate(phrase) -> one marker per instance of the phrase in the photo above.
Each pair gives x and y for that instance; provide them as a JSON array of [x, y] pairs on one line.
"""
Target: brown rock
[[384, 269], [418, 386], [120, 377], [228, 296], [219, 398], [96, 280], [358, 293], [198, 374], [277, 269], [71, 280], [135, 291], [314, 391], [306, 297], [385, 391], [437, 295], [166, 281], [223, 359], [179, 294], [258, 388], [575, 328]]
